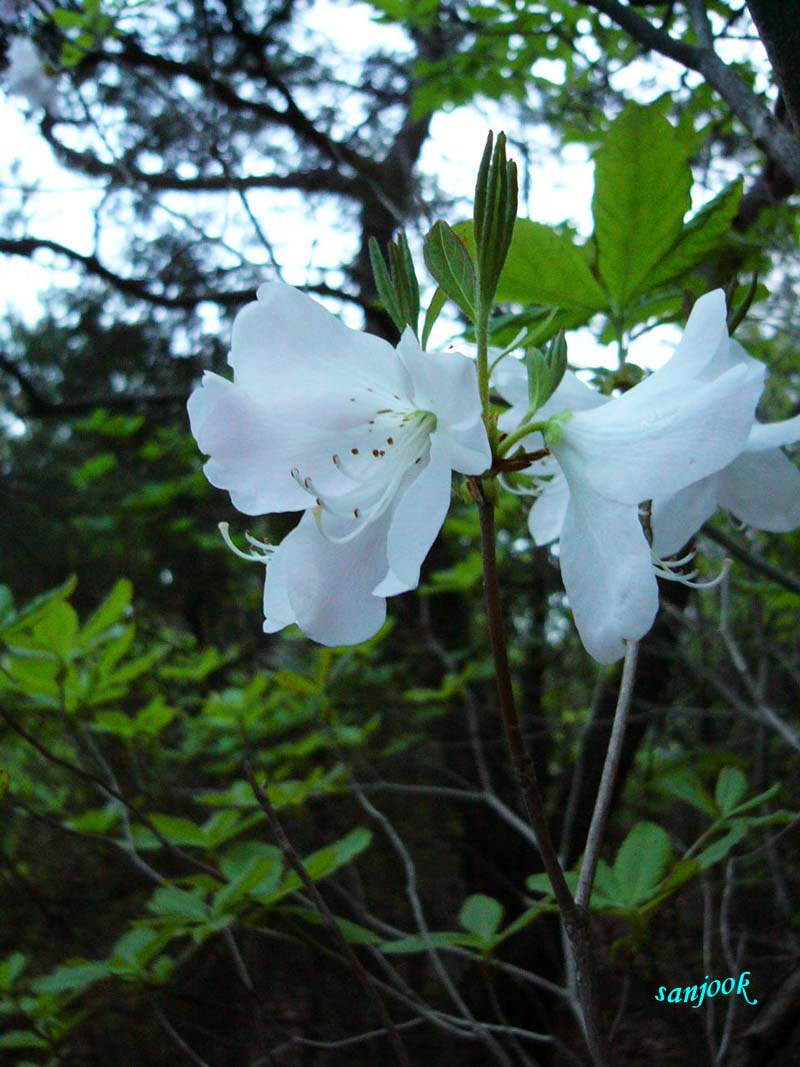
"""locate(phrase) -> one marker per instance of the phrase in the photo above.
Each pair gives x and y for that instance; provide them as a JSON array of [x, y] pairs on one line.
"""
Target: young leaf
[[641, 862], [112, 609], [450, 264], [730, 789], [481, 915], [432, 314]]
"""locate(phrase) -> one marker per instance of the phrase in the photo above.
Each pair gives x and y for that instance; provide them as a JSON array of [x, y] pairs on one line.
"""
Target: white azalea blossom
[[682, 424], [25, 75], [361, 436]]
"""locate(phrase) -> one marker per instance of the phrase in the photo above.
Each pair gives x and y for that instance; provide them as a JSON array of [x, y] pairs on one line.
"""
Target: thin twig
[[594, 840], [419, 918], [110, 791], [296, 864], [179, 1041]]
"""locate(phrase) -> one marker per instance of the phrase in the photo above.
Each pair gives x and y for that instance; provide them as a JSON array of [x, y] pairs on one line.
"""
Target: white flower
[[688, 420], [25, 74], [361, 436], [761, 488]]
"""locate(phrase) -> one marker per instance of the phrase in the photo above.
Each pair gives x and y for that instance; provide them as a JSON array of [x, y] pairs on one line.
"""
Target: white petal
[[291, 353], [445, 383], [278, 612], [676, 519], [253, 452], [773, 434], [637, 448], [417, 518], [705, 337], [762, 489], [468, 448], [329, 586], [607, 573], [546, 517], [510, 380], [572, 395]]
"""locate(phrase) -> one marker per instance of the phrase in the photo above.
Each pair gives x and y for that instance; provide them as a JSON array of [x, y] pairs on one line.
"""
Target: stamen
[[261, 550], [669, 569]]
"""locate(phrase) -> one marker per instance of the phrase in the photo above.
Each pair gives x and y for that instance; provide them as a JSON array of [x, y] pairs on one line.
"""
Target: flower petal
[[290, 352], [329, 586], [546, 517], [445, 383], [762, 489], [773, 434], [677, 518], [607, 573], [704, 338], [253, 452], [417, 518], [468, 448], [640, 447], [278, 611]]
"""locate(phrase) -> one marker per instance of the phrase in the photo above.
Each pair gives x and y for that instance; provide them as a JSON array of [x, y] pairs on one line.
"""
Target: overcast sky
[[309, 238]]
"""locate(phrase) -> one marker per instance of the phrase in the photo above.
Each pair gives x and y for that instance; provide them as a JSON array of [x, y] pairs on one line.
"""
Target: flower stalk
[[575, 918]]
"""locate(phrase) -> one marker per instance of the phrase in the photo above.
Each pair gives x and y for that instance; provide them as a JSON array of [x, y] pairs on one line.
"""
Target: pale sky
[[308, 234]]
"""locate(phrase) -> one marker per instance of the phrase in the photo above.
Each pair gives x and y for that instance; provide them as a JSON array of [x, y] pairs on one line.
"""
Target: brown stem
[[326, 914], [575, 918]]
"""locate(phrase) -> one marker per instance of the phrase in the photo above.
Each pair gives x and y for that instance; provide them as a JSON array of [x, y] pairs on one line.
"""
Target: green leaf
[[383, 283], [5, 783], [730, 789], [642, 192], [79, 974], [179, 831], [700, 237], [685, 784], [755, 802], [115, 722], [67, 20], [56, 629], [93, 469], [22, 1039], [252, 868], [451, 265], [545, 268], [641, 862], [406, 945], [10, 970], [327, 861], [100, 421], [432, 314], [136, 948], [37, 608], [481, 916], [171, 902], [6, 606], [296, 683], [112, 609], [714, 853], [152, 719], [223, 825], [96, 821]]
